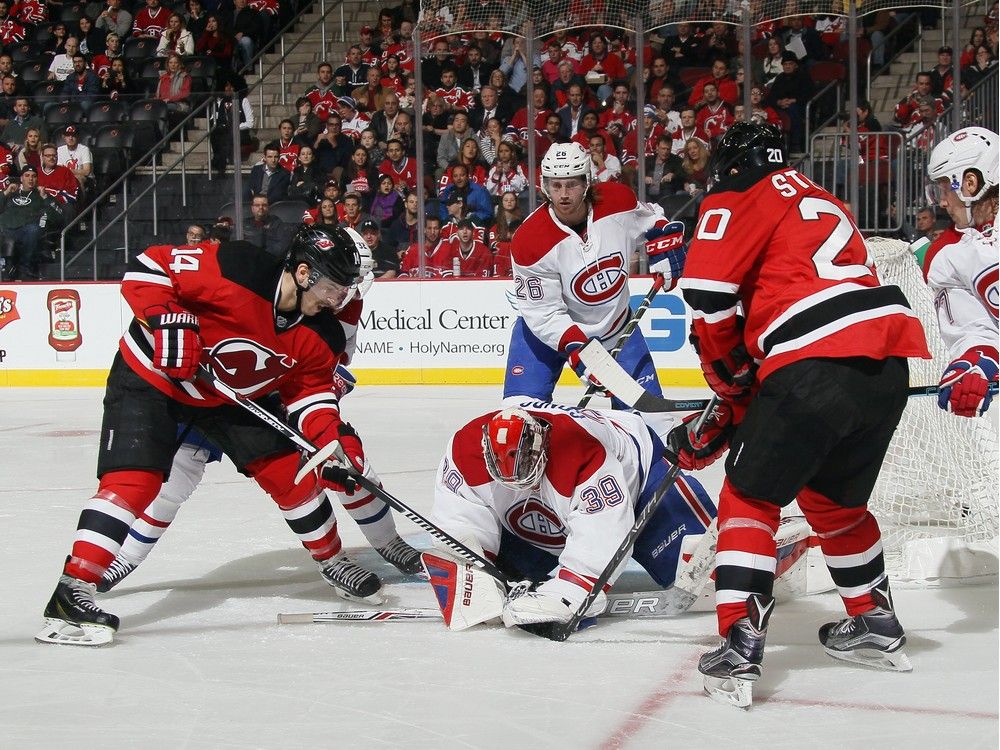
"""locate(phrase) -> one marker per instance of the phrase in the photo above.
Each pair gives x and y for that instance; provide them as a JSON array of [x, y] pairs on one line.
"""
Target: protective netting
[[937, 491], [446, 17]]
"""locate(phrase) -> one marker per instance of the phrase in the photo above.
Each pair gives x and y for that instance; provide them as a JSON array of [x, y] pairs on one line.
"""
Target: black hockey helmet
[[332, 252], [746, 145]]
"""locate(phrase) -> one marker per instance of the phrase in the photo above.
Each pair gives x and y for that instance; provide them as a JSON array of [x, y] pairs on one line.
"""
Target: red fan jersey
[[404, 174], [288, 154], [713, 121], [248, 344], [150, 22], [456, 96], [324, 102], [790, 254], [477, 261], [6, 166], [30, 11], [437, 263], [11, 32], [60, 183]]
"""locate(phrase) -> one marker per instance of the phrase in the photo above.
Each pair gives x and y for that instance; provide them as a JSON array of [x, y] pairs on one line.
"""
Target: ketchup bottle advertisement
[[64, 323]]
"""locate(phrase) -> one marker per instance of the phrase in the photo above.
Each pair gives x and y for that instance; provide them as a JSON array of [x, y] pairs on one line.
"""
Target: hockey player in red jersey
[[816, 377], [961, 267], [259, 324]]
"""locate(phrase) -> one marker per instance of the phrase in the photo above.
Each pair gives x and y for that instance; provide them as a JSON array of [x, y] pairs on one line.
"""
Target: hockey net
[[936, 497]]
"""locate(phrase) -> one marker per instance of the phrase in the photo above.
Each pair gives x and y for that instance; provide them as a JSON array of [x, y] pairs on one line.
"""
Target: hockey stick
[[561, 631], [632, 324], [624, 387], [637, 604], [206, 376]]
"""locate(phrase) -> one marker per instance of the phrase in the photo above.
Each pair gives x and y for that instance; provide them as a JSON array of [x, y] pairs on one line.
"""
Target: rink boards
[[412, 332]]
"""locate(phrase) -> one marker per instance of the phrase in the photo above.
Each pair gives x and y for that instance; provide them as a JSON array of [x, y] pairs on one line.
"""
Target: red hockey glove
[[338, 473], [965, 385], [177, 344], [731, 376], [573, 357], [692, 452], [667, 252]]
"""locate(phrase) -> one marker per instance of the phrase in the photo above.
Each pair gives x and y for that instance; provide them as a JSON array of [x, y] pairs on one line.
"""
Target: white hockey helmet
[[516, 448], [969, 148], [564, 160], [365, 277]]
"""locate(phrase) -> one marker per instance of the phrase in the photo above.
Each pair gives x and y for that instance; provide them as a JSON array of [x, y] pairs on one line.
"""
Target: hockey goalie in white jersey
[[961, 267], [546, 490]]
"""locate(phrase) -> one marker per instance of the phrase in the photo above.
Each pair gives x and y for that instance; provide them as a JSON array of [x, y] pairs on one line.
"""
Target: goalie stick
[[632, 324], [316, 456], [561, 631], [603, 366]]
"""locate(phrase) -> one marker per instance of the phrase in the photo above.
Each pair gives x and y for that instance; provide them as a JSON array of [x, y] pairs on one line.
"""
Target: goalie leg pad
[[466, 595]]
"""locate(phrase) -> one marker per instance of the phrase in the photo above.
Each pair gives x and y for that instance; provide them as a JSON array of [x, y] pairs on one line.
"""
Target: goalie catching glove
[[693, 451], [177, 343], [667, 252], [965, 385], [536, 608]]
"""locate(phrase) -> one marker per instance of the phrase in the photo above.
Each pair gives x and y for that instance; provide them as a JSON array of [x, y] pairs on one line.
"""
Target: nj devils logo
[[986, 287], [600, 282], [246, 366], [537, 524]]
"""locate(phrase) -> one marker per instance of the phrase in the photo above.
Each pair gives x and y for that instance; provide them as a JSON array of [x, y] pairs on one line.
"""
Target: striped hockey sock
[[370, 513], [315, 524]]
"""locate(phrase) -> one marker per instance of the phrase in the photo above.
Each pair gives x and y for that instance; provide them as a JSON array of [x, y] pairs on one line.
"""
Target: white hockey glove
[[554, 600]]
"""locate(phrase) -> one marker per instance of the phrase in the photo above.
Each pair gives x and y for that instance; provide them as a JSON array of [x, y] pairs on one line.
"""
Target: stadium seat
[[112, 143], [34, 71], [45, 92], [23, 52], [42, 36], [70, 14], [202, 68], [149, 74], [149, 119], [824, 72], [290, 212], [141, 48], [60, 114], [107, 112], [690, 76]]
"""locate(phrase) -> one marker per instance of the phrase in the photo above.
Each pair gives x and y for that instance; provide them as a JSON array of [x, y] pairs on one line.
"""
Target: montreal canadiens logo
[[601, 282], [987, 288], [246, 366], [537, 524]]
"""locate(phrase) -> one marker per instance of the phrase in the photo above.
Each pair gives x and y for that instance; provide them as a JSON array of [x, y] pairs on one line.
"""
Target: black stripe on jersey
[[328, 328], [136, 332], [313, 521], [833, 309], [708, 302], [137, 266], [103, 524], [743, 579], [858, 575], [250, 267]]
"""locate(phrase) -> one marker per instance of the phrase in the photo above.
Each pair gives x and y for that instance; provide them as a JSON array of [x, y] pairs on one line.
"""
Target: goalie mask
[[516, 447]]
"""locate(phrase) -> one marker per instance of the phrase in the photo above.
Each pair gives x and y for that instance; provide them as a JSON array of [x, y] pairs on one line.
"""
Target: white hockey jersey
[[584, 505], [564, 283], [963, 277]]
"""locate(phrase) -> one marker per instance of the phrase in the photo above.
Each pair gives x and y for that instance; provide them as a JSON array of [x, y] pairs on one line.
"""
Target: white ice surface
[[201, 663]]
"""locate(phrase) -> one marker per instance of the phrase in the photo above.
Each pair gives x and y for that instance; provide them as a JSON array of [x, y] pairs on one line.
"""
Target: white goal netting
[[936, 497]]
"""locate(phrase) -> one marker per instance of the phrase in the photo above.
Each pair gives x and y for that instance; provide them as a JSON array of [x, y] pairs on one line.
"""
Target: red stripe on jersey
[[948, 237], [467, 451], [584, 582], [535, 238], [693, 502], [580, 454]]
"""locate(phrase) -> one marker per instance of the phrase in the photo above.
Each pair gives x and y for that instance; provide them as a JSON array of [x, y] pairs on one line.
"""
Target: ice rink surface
[[201, 663]]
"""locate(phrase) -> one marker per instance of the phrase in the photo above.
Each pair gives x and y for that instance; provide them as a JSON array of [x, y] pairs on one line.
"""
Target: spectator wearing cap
[[371, 53], [474, 258], [353, 71], [82, 84], [352, 121], [791, 89], [454, 207], [941, 74], [25, 213], [76, 157], [478, 203], [383, 254], [387, 203]]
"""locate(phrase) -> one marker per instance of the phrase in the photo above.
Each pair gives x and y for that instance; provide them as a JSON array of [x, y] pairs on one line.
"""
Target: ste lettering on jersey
[[817, 295], [251, 347], [563, 280]]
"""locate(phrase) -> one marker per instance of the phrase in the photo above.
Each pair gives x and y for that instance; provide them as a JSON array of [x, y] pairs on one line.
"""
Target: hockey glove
[[572, 351], [667, 252], [538, 609], [965, 385], [343, 382], [692, 452], [731, 376], [338, 473], [177, 344]]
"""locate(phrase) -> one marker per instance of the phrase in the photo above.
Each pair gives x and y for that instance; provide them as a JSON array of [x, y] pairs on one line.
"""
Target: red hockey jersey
[[790, 254]]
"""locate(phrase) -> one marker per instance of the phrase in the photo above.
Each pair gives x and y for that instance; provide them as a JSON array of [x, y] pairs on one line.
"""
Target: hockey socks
[[745, 553], [852, 547], [369, 512]]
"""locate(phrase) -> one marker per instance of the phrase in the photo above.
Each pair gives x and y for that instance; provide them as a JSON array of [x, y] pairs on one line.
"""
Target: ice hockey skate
[[73, 619], [115, 574], [875, 638], [350, 580], [402, 556], [731, 669]]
